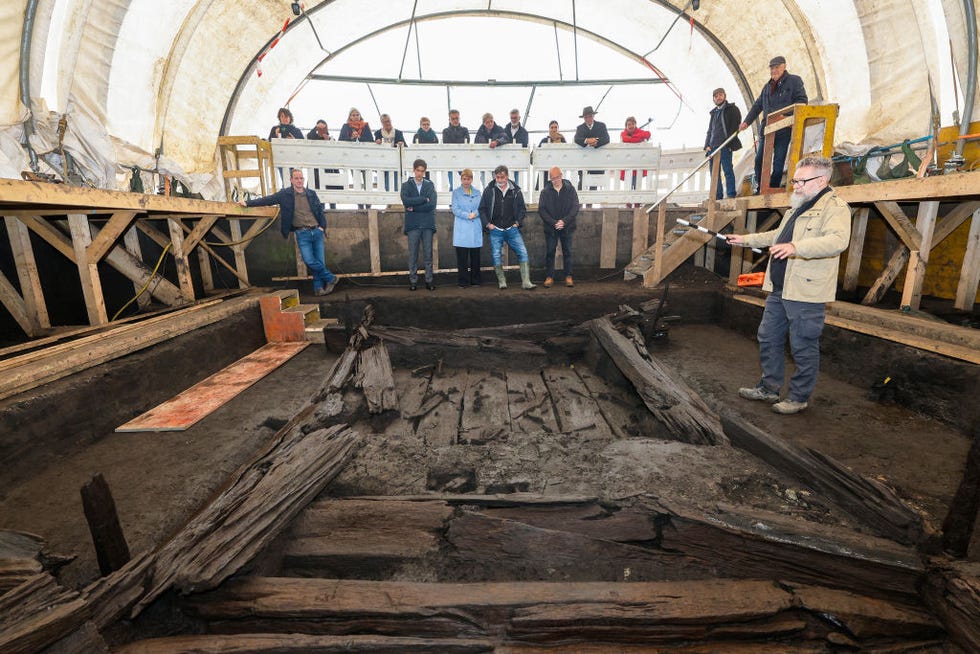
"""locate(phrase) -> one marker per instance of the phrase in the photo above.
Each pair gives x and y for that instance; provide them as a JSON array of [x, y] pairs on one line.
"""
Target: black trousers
[[468, 264]]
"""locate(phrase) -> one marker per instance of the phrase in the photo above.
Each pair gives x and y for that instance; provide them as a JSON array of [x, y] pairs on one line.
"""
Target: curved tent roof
[[147, 73]]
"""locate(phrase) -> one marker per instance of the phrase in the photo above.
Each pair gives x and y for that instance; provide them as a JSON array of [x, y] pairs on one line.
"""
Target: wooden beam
[[241, 268], [655, 274], [27, 272], [254, 229], [887, 277], [150, 230], [199, 232], [180, 258], [15, 304], [737, 256], [51, 235], [855, 250], [88, 271], [131, 243], [109, 234], [966, 289], [111, 549], [641, 232], [916, 272], [242, 281], [139, 273], [204, 263], [894, 216], [608, 237], [374, 246]]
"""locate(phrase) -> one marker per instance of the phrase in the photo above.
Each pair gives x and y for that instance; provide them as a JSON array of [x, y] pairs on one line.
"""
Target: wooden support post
[[183, 265], [435, 252], [966, 290], [859, 227], [737, 260], [610, 230], [239, 250], [641, 232], [109, 234], [14, 303], [103, 523], [131, 242], [652, 277], [374, 244], [88, 271], [204, 261], [27, 273], [925, 224]]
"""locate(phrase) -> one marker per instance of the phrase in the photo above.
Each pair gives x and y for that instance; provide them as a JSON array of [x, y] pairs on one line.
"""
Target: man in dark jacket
[[782, 90], [502, 211], [724, 121], [491, 133], [419, 197], [591, 134], [301, 211], [558, 206], [454, 133]]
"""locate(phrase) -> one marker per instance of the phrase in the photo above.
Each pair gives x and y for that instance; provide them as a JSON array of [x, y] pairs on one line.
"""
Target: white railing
[[368, 174]]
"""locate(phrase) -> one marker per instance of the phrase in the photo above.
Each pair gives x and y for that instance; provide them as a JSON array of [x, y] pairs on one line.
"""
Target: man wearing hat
[[591, 134], [724, 121], [780, 91]]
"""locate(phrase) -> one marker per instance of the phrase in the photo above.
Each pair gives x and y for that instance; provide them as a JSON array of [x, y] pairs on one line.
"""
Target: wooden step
[[284, 319], [310, 312], [314, 329]]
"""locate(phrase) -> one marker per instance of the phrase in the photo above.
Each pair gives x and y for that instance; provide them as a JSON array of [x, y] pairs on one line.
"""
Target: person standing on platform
[[782, 90], [419, 197], [301, 211], [804, 255], [467, 230], [502, 213], [724, 120], [558, 207]]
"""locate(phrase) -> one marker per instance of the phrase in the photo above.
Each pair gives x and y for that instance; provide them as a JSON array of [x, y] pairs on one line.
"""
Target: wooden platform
[[206, 397]]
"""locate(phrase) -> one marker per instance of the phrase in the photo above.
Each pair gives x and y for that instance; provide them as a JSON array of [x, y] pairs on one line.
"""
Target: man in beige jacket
[[804, 255]]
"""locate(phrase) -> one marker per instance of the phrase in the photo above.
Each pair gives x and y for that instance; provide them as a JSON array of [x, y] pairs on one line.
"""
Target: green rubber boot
[[526, 276], [501, 279]]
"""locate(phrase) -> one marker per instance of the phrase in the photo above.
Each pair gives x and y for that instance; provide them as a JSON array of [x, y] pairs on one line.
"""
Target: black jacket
[[558, 205], [504, 210], [290, 130], [287, 207], [520, 136], [598, 131], [399, 137], [789, 90], [496, 133], [731, 118], [458, 134]]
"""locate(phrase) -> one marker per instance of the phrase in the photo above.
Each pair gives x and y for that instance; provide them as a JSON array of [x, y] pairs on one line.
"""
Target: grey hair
[[823, 165]]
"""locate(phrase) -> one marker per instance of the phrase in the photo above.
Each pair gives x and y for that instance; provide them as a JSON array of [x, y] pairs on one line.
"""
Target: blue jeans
[[551, 238], [780, 146], [727, 175], [514, 241], [804, 323], [310, 242], [414, 237]]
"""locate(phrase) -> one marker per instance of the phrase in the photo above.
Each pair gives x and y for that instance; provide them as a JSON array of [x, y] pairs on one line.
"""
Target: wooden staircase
[[675, 244], [284, 319]]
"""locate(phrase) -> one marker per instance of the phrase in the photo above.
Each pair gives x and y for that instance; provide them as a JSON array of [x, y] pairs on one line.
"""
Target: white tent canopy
[[136, 74]]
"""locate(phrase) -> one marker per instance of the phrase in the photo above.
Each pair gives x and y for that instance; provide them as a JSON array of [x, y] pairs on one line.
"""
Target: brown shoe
[[569, 281], [548, 281]]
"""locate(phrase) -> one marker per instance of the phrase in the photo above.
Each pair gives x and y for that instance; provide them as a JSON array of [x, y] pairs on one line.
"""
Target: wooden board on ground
[[440, 426], [206, 397], [574, 406], [531, 411], [625, 414], [297, 643], [485, 413]]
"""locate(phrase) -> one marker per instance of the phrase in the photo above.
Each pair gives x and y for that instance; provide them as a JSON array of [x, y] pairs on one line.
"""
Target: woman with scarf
[[356, 129], [633, 134]]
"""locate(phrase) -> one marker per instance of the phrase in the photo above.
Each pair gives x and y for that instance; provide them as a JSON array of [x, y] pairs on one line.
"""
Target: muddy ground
[[159, 479]]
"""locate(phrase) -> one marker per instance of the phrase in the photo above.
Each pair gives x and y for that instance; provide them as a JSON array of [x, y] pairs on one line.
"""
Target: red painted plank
[[204, 398]]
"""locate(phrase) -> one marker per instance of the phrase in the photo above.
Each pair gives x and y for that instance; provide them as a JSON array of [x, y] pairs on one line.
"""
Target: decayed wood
[[363, 538], [535, 331], [411, 347], [84, 640], [376, 379], [674, 403], [873, 504], [38, 613], [485, 412], [574, 407], [111, 549], [439, 425], [19, 558], [529, 402], [244, 518], [300, 643], [625, 414], [952, 591], [962, 524]]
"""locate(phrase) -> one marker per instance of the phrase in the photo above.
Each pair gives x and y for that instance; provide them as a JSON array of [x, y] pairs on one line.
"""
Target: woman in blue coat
[[467, 230]]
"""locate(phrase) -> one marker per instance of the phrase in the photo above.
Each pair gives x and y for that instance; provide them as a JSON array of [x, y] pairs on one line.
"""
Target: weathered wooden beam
[[896, 218], [919, 258], [304, 643], [375, 378], [855, 250], [199, 231], [38, 613], [181, 261], [411, 347], [887, 277], [641, 232], [873, 504], [14, 303], [961, 523], [88, 270], [109, 234], [131, 242], [374, 245], [608, 237], [966, 288], [19, 558], [235, 226], [111, 549], [27, 271], [674, 403], [952, 591]]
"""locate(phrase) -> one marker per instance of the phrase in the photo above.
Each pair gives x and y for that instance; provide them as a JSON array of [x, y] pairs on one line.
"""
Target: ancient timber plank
[[574, 406], [376, 379], [952, 591], [531, 409], [411, 347], [440, 425], [300, 643], [624, 412], [485, 413]]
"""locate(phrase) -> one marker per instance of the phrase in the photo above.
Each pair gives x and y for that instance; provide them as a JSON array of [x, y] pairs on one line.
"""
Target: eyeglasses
[[801, 182]]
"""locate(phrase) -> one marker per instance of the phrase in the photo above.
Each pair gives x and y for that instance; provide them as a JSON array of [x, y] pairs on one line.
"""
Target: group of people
[[499, 212]]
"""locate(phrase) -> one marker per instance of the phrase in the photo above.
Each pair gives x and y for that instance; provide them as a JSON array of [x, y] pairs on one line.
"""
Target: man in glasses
[[801, 277]]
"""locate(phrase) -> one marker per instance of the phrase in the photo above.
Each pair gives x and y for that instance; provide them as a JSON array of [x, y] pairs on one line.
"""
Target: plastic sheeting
[[174, 82]]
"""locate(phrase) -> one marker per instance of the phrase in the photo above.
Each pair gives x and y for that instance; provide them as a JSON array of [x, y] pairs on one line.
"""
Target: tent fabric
[[142, 74]]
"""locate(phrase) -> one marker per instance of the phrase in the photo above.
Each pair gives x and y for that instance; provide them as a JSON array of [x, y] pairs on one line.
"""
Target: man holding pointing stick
[[801, 277]]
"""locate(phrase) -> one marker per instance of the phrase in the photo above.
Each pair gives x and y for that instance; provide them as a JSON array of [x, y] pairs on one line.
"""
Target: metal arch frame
[[726, 55]]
